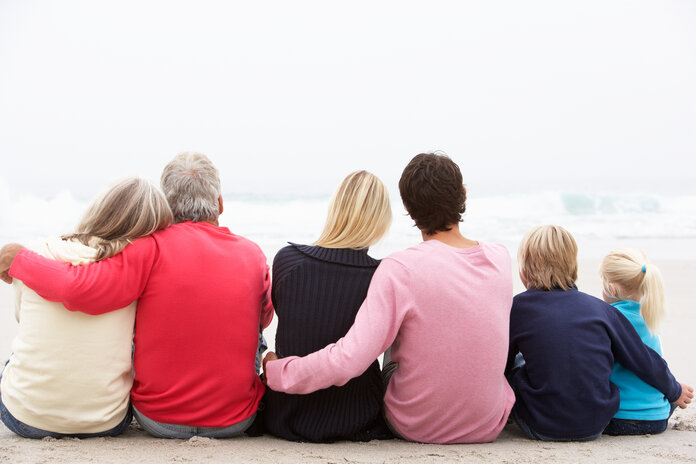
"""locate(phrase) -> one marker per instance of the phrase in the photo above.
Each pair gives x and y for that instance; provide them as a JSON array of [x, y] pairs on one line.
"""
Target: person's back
[[317, 291], [203, 296], [316, 294], [634, 287], [563, 390], [563, 345], [197, 328], [441, 309], [452, 343], [69, 372]]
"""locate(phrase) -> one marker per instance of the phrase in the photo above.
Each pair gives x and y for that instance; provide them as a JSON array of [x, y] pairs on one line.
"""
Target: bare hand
[[270, 356], [7, 255], [686, 395]]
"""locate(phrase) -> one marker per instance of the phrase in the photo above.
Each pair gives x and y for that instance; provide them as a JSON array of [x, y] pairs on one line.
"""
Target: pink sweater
[[445, 312]]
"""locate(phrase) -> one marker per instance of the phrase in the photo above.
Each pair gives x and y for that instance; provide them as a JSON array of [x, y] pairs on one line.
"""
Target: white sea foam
[[665, 224]]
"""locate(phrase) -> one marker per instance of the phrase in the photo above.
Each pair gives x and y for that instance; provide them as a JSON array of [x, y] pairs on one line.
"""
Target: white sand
[[677, 444]]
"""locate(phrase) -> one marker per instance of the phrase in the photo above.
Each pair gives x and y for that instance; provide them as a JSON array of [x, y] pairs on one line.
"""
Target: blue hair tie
[[642, 269]]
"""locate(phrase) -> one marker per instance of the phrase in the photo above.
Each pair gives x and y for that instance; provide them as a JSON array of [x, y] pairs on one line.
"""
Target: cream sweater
[[69, 372]]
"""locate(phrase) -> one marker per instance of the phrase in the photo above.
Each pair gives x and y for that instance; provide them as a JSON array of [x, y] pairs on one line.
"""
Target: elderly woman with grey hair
[[202, 294]]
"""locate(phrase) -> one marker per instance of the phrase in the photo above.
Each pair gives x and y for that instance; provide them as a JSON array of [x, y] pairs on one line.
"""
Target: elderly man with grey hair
[[202, 291]]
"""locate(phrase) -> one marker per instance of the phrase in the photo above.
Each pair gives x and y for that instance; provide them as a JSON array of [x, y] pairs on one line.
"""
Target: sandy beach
[[677, 444]]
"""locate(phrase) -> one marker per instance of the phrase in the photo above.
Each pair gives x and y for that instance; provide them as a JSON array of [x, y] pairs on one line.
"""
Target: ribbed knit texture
[[316, 293]]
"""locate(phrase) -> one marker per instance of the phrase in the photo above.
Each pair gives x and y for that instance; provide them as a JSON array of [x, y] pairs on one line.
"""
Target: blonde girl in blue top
[[634, 287]]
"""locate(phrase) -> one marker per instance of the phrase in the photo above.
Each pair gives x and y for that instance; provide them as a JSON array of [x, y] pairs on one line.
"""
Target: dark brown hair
[[432, 191]]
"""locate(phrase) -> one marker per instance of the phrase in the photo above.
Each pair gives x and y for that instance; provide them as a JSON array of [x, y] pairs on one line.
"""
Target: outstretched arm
[[630, 351], [374, 330], [96, 288]]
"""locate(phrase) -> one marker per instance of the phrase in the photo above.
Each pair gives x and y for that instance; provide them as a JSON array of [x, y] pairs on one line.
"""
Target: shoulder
[[288, 253], [65, 251], [496, 249]]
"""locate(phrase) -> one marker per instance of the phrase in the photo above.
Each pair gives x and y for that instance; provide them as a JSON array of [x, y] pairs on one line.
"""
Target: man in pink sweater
[[443, 307], [202, 294]]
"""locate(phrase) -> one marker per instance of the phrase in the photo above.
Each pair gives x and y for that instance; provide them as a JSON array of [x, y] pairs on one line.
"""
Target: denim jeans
[[27, 431], [163, 430], [263, 346], [638, 427], [527, 430]]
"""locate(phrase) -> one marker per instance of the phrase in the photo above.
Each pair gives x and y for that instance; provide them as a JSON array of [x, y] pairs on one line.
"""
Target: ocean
[[663, 225]]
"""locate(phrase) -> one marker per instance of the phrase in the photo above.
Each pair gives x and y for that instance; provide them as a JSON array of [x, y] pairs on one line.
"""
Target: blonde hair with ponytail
[[627, 275], [130, 209]]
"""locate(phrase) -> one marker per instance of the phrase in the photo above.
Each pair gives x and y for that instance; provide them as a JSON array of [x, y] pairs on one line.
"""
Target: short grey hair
[[191, 184]]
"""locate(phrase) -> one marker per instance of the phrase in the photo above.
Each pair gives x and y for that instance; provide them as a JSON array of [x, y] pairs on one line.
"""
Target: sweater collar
[[627, 305], [346, 256]]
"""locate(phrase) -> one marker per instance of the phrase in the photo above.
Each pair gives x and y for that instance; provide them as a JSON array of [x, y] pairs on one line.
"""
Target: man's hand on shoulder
[[7, 255]]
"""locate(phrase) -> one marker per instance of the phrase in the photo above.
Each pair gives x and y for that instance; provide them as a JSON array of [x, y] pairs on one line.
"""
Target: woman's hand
[[271, 356]]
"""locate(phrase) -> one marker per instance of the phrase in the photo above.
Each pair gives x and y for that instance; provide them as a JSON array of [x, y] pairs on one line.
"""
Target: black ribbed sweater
[[316, 293]]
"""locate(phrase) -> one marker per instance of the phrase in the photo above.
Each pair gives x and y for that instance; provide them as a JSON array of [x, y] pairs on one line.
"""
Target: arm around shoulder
[[374, 330], [630, 351], [96, 288]]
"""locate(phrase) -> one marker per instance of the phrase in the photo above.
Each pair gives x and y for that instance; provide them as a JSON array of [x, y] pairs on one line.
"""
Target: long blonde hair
[[359, 213], [627, 274], [548, 258], [130, 209]]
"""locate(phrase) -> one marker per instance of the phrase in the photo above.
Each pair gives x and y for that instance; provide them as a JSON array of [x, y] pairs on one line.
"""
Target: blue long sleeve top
[[570, 342], [638, 400]]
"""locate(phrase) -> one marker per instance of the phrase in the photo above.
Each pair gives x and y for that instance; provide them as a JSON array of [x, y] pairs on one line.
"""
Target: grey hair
[[191, 184]]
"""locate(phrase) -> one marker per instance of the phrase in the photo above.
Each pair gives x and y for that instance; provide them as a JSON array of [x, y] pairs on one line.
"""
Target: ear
[[220, 206]]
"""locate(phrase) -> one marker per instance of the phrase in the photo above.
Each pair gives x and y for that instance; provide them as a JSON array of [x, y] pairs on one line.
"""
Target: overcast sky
[[291, 96]]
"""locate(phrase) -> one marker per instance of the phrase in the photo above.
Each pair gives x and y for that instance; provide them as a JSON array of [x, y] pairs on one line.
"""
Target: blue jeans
[[638, 427], [27, 431], [263, 346], [162, 430], [527, 430]]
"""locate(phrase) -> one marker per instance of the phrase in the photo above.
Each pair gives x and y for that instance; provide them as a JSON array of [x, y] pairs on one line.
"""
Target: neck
[[212, 221], [452, 237]]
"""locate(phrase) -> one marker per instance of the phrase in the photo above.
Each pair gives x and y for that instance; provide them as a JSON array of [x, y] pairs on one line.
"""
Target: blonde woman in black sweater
[[317, 290]]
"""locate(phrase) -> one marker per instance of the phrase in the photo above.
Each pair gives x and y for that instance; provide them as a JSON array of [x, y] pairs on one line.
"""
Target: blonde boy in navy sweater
[[563, 345]]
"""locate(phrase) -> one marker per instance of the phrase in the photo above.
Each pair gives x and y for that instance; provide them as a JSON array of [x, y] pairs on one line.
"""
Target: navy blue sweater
[[570, 341], [316, 293]]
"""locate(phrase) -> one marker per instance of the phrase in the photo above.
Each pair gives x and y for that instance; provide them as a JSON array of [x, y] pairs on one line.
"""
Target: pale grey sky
[[291, 96]]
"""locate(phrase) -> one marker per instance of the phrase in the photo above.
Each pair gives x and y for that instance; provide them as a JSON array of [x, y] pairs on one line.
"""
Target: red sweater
[[202, 294]]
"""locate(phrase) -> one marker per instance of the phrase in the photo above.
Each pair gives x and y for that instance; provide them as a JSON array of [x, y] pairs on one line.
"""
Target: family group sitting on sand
[[151, 309]]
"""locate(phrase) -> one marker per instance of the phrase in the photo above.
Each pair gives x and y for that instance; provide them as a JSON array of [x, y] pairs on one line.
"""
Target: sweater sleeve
[[267, 303], [374, 330], [630, 351], [97, 288]]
